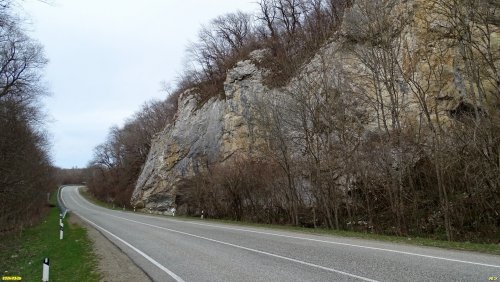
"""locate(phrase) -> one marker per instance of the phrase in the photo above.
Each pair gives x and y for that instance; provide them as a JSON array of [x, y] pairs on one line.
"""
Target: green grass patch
[[71, 259], [418, 241]]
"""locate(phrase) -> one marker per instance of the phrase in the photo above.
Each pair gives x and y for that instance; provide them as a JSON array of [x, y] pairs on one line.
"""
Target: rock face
[[221, 128], [201, 135]]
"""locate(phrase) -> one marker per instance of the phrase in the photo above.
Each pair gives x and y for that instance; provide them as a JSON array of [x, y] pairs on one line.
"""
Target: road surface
[[178, 250]]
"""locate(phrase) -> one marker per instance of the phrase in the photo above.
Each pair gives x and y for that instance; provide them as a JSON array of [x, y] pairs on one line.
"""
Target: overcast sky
[[108, 57]]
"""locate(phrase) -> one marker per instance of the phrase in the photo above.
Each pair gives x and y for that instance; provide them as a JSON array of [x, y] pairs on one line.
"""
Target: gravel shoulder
[[114, 264]]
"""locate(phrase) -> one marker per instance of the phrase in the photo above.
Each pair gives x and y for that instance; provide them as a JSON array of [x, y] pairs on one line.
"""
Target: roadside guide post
[[45, 269], [61, 230]]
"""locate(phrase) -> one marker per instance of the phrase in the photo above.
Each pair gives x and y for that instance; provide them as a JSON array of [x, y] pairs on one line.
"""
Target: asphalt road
[[178, 250]]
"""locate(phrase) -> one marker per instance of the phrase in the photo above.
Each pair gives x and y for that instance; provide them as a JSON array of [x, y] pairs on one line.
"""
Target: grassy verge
[[83, 191], [71, 259], [418, 241]]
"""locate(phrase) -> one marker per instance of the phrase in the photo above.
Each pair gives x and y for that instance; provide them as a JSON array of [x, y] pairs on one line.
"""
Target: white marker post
[[60, 218], [134, 208], [45, 274], [61, 230], [202, 214]]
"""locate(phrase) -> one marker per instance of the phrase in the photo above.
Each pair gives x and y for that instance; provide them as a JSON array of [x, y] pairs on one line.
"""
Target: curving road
[[177, 250]]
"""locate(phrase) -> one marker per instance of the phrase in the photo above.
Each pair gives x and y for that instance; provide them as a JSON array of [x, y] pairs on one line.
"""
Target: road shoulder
[[114, 264]]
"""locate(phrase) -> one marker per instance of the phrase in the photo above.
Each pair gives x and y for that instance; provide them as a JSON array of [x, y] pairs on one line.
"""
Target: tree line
[[25, 166], [116, 164]]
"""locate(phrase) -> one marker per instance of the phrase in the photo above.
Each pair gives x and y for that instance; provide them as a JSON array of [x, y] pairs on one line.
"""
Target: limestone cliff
[[218, 129], [201, 135]]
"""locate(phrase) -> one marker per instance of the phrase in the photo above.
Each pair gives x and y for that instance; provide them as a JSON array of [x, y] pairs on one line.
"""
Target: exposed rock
[[222, 128], [200, 136]]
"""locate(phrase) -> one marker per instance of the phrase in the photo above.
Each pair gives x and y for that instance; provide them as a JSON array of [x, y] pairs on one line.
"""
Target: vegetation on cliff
[[394, 130], [288, 28]]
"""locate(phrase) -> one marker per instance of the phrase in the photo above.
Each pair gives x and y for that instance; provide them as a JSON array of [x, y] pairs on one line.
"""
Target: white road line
[[239, 247], [331, 242], [328, 242], [250, 249], [338, 243], [153, 261], [173, 275]]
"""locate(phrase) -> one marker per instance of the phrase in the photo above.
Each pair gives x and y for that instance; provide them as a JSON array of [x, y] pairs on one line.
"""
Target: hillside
[[391, 126]]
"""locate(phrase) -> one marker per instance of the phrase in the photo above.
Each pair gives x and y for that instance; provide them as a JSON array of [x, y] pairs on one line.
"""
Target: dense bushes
[[232, 190]]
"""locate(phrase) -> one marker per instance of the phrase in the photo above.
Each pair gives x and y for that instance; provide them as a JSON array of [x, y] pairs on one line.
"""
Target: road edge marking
[[314, 240], [326, 242], [252, 250], [339, 243], [150, 259], [219, 242]]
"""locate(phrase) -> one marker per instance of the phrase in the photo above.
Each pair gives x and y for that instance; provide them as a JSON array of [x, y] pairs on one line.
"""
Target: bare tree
[[225, 37], [375, 27], [274, 119], [117, 162], [25, 166]]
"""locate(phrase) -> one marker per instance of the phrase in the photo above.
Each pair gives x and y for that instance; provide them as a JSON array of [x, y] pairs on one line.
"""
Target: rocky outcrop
[[219, 129], [202, 135]]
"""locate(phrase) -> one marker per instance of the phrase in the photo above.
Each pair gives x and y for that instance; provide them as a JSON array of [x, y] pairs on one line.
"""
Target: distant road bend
[[176, 250]]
